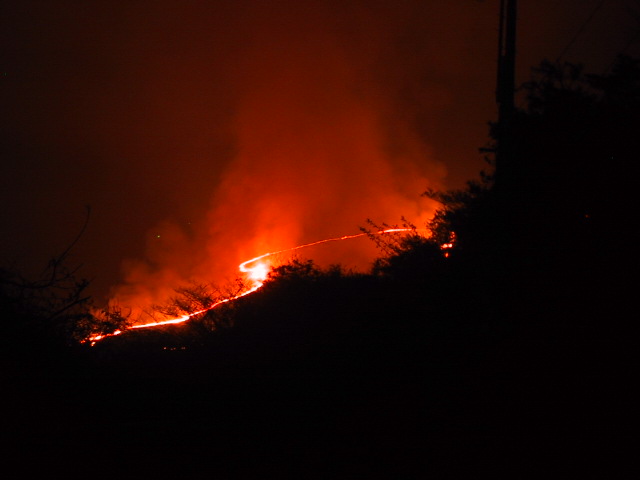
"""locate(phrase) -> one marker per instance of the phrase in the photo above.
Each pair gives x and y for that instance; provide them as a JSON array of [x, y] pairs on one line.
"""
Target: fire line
[[257, 274]]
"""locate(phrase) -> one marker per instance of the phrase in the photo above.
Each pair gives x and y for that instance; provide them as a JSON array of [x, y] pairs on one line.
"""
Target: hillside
[[511, 352]]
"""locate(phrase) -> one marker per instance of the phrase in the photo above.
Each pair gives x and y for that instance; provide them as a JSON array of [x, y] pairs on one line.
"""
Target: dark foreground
[[401, 402]]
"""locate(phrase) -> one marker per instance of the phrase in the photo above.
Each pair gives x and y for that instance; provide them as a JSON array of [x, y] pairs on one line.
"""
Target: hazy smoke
[[320, 147]]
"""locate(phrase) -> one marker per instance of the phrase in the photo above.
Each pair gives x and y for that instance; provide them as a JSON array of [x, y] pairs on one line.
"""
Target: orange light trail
[[243, 266], [257, 274]]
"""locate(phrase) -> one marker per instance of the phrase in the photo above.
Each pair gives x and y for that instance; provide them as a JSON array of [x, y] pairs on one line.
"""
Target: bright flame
[[258, 273]]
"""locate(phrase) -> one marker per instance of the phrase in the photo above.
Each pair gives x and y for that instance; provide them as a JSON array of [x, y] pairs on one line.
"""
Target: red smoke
[[316, 156]]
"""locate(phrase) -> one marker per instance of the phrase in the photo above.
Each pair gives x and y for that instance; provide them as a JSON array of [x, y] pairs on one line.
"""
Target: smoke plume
[[319, 148]]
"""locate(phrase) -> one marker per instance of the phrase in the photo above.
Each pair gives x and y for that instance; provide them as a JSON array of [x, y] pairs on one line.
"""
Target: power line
[[622, 52], [631, 41], [582, 27]]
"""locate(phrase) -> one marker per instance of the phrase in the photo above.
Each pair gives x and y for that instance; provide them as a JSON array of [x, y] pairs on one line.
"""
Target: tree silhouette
[[559, 229], [54, 308]]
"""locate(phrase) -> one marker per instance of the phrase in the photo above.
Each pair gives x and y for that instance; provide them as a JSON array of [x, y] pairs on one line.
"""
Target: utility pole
[[505, 89]]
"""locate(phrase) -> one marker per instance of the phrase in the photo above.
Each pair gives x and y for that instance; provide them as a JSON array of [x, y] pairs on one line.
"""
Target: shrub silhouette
[[50, 310]]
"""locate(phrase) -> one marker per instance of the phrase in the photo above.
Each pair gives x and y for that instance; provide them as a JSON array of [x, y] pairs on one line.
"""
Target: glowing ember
[[449, 245], [257, 274]]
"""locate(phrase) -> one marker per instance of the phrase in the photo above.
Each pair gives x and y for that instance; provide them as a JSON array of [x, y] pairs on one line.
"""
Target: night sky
[[202, 133]]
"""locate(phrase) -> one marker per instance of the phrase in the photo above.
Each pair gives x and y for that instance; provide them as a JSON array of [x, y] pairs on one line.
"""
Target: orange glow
[[316, 149], [257, 274], [97, 338]]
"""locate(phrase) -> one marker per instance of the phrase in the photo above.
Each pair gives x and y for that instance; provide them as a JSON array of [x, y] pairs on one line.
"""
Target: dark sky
[[204, 132]]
